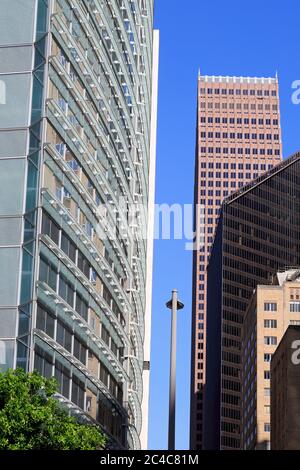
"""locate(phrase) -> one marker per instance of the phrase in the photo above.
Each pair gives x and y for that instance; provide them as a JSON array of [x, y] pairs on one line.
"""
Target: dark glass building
[[258, 233]]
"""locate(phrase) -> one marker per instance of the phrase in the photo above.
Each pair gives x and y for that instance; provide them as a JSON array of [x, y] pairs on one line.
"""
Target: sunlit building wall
[[77, 154]]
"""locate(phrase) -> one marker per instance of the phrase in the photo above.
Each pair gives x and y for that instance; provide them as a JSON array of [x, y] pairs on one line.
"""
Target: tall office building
[[271, 310], [285, 391], [238, 138], [257, 236], [78, 83]]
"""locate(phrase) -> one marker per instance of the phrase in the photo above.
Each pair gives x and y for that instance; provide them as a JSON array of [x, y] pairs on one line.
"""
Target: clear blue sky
[[222, 37]]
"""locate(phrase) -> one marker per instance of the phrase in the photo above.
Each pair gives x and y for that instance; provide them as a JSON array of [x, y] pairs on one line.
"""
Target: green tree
[[30, 418]]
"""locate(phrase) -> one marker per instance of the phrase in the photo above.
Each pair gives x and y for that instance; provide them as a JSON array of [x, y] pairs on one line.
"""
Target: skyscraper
[[238, 138], [78, 84], [257, 236]]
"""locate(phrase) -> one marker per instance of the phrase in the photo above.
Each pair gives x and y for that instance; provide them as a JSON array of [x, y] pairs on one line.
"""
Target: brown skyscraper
[[238, 138]]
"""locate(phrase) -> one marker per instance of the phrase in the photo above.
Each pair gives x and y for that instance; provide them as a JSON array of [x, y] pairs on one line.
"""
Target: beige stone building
[[272, 309]]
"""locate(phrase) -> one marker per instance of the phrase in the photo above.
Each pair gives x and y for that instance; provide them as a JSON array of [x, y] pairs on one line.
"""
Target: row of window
[[238, 92], [295, 307], [238, 135], [238, 106], [50, 228], [73, 388], [65, 288], [234, 166], [270, 340], [270, 323], [226, 175], [63, 335], [240, 151], [239, 121], [270, 307]]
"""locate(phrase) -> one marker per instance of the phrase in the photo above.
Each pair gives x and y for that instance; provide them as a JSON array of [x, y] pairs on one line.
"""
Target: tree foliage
[[31, 419]]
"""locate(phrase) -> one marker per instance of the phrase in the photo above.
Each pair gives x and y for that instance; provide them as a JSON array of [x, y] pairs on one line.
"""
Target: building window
[[270, 340], [64, 336], [295, 307], [45, 321], [81, 306], [68, 247], [48, 273], [270, 307], [43, 362], [267, 409], [50, 228], [79, 351], [267, 427], [267, 357], [270, 323], [83, 264], [267, 375], [78, 391]]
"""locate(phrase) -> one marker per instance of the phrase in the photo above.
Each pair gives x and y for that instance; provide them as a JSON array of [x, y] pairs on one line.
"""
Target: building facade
[[271, 310], [257, 236], [285, 391], [238, 138], [77, 156]]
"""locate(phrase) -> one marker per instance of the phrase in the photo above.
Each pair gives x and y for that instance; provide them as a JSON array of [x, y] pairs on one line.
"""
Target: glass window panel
[[62, 288], [15, 59], [76, 348], [27, 275], [46, 224], [60, 333], [43, 271], [52, 278], [38, 363], [47, 369], [50, 325], [22, 355], [13, 143], [8, 320], [14, 100], [10, 231], [6, 355], [40, 319], [37, 100], [9, 274], [17, 21], [70, 295], [24, 324], [12, 176], [68, 340], [83, 355], [65, 386], [32, 175]]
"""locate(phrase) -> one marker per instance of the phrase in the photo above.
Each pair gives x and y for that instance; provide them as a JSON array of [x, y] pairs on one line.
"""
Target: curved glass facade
[[86, 125]]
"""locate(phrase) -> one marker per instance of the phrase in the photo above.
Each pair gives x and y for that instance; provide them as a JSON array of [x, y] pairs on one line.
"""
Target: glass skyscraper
[[78, 85], [257, 236]]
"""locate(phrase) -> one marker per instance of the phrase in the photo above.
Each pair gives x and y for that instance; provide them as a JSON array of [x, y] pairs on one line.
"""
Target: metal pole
[[171, 443]]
